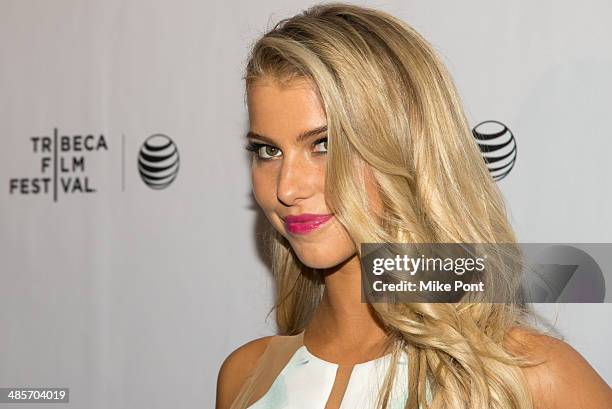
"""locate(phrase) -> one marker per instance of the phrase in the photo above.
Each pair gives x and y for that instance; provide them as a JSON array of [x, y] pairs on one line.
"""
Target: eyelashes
[[256, 148]]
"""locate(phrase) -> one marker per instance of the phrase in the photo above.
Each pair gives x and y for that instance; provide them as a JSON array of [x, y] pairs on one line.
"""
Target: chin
[[322, 256]]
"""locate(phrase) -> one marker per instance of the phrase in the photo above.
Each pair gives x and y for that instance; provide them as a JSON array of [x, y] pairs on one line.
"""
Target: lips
[[305, 222]]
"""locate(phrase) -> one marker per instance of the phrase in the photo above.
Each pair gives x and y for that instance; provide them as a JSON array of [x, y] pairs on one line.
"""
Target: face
[[289, 142]]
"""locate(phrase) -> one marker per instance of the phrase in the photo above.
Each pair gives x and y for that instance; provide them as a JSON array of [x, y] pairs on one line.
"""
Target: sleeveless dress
[[288, 376]]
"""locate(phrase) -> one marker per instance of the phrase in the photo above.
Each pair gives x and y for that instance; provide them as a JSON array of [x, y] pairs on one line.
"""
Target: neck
[[341, 320]]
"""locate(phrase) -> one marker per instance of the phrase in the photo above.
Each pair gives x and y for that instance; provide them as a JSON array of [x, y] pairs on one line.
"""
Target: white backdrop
[[133, 296]]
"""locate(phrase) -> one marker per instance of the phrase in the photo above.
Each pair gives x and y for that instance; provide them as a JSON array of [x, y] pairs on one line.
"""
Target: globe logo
[[498, 147], [158, 161]]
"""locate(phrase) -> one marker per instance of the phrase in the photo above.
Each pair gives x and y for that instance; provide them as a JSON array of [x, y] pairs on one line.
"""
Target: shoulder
[[563, 379], [236, 368]]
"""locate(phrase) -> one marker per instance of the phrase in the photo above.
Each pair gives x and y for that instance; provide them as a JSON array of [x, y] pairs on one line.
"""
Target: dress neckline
[[369, 362]]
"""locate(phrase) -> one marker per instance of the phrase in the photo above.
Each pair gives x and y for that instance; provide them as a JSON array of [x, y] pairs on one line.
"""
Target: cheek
[[264, 187]]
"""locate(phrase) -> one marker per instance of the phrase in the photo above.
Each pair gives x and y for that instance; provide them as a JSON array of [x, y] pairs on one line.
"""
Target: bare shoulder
[[236, 368], [563, 379]]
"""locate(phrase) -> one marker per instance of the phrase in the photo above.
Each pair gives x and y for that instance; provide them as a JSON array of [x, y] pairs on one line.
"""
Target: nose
[[298, 179]]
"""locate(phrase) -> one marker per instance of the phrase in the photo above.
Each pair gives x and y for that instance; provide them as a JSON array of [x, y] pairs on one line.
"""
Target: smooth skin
[[288, 177]]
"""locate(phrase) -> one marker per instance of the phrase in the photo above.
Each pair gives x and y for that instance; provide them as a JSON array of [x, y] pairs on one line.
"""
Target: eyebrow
[[301, 137]]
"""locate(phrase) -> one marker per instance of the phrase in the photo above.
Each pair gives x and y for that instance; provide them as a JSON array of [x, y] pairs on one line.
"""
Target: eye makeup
[[256, 148]]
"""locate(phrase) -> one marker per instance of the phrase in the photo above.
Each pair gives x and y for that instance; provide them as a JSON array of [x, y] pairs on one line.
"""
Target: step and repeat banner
[[132, 263]]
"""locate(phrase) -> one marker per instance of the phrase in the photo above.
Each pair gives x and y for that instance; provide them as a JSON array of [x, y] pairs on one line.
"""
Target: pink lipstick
[[306, 222]]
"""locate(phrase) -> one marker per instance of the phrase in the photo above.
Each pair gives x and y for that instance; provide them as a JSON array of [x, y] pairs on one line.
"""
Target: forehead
[[281, 110]]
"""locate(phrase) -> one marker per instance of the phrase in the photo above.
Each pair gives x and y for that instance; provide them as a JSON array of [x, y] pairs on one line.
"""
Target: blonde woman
[[358, 136]]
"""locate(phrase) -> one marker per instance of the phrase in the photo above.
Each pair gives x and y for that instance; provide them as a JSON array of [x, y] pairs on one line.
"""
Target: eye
[[263, 150], [322, 143]]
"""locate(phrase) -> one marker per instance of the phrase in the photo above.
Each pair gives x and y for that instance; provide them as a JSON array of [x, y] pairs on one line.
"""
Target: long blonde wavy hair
[[391, 106]]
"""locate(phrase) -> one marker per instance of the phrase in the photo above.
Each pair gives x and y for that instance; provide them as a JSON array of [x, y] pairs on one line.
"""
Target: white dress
[[289, 376]]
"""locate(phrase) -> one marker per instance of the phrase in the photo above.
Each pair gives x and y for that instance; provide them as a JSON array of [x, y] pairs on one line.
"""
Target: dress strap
[[275, 357]]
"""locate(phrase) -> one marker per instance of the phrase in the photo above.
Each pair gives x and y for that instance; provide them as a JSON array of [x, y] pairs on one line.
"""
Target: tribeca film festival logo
[[62, 164], [497, 146]]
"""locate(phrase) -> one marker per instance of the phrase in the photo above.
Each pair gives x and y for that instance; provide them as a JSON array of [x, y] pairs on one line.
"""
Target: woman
[[358, 136]]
